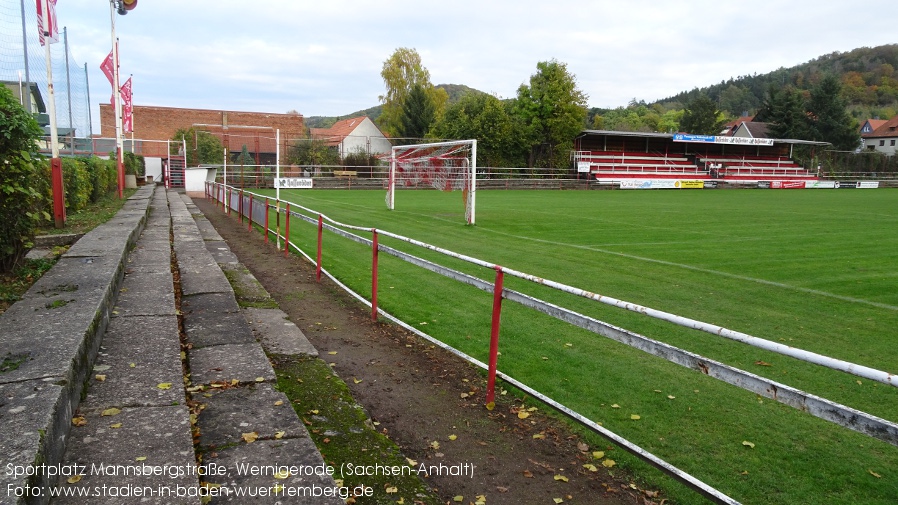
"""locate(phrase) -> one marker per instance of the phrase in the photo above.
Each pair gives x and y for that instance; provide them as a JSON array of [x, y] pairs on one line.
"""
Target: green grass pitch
[[814, 269]]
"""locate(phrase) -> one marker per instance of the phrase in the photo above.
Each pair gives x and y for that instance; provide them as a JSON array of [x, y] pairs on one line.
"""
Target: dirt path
[[421, 395]]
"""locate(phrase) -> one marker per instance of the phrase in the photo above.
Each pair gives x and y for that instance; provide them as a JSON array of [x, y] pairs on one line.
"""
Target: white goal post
[[445, 166]]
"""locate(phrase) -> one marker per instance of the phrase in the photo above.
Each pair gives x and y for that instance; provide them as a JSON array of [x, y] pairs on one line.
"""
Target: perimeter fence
[[258, 210]]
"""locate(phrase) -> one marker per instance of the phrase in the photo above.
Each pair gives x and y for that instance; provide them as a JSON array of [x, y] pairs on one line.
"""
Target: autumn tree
[[702, 117], [552, 111], [402, 72]]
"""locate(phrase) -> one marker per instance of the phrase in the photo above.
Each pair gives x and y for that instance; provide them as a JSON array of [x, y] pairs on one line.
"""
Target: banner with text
[[293, 183], [712, 139]]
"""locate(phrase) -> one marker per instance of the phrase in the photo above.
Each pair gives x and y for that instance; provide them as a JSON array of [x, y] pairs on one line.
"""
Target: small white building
[[358, 134], [882, 137]]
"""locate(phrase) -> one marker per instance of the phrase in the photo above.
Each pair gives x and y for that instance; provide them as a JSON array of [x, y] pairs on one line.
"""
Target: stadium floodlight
[[446, 166]]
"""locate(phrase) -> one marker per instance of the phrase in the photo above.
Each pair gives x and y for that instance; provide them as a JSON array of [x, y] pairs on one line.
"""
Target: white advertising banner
[[293, 183], [583, 167], [820, 184], [868, 184]]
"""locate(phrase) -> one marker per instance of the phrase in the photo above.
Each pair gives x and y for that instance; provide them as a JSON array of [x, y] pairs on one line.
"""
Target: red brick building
[[255, 130]]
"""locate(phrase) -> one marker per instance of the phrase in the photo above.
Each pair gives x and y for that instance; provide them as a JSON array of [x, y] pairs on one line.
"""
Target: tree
[[244, 158], [20, 201], [702, 117], [552, 111], [489, 120], [829, 118], [418, 113], [313, 152], [202, 146], [784, 110], [402, 72]]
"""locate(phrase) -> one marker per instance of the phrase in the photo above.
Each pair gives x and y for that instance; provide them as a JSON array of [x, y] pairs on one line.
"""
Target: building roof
[[873, 125], [755, 130], [886, 129], [730, 128], [339, 131]]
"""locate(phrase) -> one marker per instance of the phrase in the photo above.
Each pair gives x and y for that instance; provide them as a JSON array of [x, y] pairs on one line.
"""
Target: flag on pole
[[47, 28], [108, 69], [127, 123]]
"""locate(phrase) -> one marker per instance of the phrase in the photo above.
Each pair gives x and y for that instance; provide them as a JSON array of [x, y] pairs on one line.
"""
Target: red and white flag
[[108, 69], [47, 28], [127, 108]]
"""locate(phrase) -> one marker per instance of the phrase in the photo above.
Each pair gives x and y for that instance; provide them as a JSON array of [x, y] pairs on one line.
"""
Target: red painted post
[[228, 200], [374, 249], [267, 212], [250, 219], [58, 185], [318, 263], [287, 232], [240, 207], [494, 337]]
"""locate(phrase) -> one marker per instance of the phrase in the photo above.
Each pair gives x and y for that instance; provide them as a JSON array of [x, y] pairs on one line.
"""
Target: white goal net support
[[446, 166]]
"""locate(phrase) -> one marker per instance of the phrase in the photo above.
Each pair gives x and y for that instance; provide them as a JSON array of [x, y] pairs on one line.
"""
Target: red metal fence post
[[494, 338], [250, 217], [318, 262], [374, 249], [287, 232], [267, 212], [240, 207]]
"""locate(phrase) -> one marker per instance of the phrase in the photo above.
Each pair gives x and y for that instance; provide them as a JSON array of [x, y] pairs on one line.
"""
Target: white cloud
[[324, 58]]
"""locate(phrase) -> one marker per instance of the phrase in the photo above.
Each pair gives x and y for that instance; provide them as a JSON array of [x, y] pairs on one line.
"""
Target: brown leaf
[[528, 474]]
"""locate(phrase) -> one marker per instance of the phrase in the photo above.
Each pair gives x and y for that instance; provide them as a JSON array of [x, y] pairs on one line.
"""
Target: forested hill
[[869, 79]]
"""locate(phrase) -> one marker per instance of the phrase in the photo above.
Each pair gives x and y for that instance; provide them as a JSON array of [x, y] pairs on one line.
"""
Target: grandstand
[[610, 156]]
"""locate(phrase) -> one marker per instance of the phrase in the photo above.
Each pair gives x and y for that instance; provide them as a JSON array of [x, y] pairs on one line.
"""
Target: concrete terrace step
[[48, 343], [107, 317]]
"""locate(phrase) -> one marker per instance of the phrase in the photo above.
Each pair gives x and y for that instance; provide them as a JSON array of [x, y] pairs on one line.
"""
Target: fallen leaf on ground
[[140, 458], [561, 478], [598, 454], [615, 406], [79, 421], [635, 417], [557, 500], [164, 385], [591, 467], [523, 415], [746, 443], [250, 437], [74, 478], [608, 463], [115, 426], [875, 474], [100, 378], [528, 474], [453, 437], [111, 412], [435, 445], [279, 435]]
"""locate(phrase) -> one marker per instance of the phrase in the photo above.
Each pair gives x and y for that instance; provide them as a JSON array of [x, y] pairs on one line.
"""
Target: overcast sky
[[323, 57]]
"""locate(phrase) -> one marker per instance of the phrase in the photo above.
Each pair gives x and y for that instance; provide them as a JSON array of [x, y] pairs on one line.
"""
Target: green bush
[[102, 174], [20, 202], [78, 188], [134, 164]]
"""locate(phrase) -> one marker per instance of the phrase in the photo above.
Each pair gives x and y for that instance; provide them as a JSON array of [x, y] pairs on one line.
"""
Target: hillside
[[869, 78]]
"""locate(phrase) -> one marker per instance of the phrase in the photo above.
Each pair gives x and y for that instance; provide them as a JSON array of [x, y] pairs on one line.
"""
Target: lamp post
[[121, 7]]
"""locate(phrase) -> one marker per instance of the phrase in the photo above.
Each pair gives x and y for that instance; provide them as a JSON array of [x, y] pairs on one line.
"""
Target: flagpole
[[48, 27], [119, 155]]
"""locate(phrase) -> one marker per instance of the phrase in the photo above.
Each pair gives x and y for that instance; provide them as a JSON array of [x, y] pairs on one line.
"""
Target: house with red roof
[[354, 135], [882, 138]]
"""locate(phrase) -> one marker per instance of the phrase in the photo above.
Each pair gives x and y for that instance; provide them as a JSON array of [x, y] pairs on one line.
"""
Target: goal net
[[446, 166]]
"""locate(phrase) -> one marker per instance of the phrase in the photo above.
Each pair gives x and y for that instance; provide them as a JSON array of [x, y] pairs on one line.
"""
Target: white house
[[883, 137], [358, 134]]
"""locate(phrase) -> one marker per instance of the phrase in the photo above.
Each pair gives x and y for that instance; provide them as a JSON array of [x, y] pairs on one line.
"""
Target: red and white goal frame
[[446, 166]]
